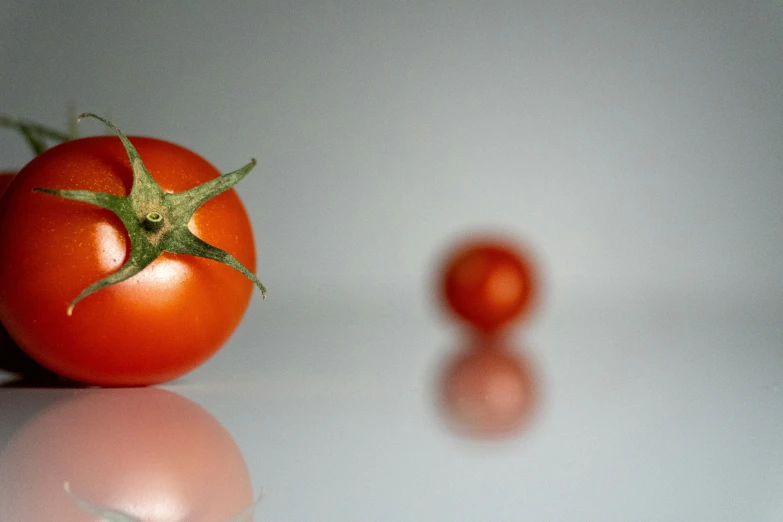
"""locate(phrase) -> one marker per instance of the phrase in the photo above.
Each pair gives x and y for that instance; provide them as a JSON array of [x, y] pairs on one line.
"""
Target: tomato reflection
[[489, 389], [139, 454]]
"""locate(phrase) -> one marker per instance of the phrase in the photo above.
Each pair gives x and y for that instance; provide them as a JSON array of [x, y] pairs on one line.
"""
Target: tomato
[[488, 283], [147, 453], [151, 328], [489, 390], [5, 179], [12, 359]]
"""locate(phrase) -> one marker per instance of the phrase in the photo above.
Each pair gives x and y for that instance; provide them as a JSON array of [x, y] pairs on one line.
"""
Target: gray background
[[635, 147]]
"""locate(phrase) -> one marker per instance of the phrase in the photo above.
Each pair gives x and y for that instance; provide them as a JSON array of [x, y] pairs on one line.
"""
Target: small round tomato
[[488, 283], [142, 454], [488, 390], [149, 328]]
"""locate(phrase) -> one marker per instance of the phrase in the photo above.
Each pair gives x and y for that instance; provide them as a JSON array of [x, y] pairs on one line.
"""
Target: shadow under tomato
[[26, 372]]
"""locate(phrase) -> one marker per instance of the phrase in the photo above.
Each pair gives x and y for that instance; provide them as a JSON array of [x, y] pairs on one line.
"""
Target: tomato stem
[[153, 221], [37, 135]]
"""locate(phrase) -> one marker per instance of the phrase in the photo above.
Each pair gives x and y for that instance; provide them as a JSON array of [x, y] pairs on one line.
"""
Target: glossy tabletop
[[655, 408]]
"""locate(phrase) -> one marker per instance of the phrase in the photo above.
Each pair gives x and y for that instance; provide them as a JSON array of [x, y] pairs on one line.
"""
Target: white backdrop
[[636, 146]]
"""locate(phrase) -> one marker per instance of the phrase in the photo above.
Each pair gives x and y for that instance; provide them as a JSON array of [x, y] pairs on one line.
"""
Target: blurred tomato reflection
[[141, 454], [489, 389]]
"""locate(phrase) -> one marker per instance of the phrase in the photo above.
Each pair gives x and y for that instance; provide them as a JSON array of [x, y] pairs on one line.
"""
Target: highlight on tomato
[[489, 389], [123, 261], [127, 455], [488, 282]]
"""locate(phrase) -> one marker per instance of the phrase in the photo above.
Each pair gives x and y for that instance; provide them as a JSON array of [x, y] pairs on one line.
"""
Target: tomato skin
[[151, 328], [149, 453], [5, 180], [488, 283]]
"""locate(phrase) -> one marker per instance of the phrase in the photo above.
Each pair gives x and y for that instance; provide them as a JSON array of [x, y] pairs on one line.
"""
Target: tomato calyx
[[156, 221]]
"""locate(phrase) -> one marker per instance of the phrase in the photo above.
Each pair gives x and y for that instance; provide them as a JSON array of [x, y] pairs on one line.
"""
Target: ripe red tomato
[[149, 453], [151, 328], [488, 283], [5, 179], [489, 390]]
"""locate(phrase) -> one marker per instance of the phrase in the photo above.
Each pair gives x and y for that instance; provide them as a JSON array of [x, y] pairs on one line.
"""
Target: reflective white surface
[[652, 408]]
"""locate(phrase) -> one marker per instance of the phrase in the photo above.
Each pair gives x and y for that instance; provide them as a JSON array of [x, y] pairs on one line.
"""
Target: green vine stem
[[154, 220], [36, 135]]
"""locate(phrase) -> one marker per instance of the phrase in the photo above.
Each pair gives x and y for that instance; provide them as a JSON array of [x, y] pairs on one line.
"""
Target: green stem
[[153, 221], [35, 134], [37, 128]]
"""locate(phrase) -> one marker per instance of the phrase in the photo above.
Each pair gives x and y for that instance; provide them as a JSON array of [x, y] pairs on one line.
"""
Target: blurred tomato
[[148, 453], [488, 282], [489, 390]]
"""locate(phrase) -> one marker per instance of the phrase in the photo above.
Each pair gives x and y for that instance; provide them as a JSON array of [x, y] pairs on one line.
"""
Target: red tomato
[[5, 179], [488, 283], [11, 358], [151, 328], [488, 390], [148, 453]]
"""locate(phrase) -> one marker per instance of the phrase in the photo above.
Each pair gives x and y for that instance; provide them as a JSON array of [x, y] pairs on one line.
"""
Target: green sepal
[[144, 185], [101, 199], [156, 222], [182, 241], [139, 259], [184, 204]]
